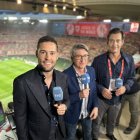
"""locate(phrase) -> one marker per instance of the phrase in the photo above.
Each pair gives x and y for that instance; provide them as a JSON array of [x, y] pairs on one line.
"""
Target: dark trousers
[[134, 109], [86, 124], [112, 113], [55, 133]]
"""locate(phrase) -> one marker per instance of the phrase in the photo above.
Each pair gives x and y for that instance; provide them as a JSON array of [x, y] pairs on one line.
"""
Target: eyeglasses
[[79, 57]]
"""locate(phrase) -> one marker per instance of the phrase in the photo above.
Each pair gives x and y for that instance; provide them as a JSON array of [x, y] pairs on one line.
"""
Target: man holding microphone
[[82, 91], [41, 97]]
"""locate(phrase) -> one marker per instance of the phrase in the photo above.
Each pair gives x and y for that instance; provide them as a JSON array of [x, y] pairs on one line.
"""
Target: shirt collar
[[40, 71], [77, 74]]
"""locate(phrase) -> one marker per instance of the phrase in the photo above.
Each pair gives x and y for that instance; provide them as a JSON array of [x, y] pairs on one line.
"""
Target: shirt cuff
[[127, 87]]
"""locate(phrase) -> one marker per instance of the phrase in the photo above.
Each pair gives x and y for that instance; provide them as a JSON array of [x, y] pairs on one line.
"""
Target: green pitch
[[11, 68]]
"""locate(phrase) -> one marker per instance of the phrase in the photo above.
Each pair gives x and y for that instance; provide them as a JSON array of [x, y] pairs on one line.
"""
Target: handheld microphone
[[58, 94], [85, 79]]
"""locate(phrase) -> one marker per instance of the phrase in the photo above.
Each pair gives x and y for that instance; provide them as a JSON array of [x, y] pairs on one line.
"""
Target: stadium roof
[[36, 16], [113, 9]]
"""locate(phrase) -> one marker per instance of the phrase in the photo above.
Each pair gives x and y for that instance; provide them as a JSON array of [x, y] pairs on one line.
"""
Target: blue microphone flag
[[57, 94], [118, 83], [85, 79], [88, 78]]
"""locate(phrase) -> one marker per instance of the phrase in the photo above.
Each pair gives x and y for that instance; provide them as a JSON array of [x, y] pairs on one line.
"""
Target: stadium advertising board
[[134, 27], [88, 29]]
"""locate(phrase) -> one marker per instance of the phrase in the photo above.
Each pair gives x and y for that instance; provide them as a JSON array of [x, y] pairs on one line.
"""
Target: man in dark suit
[[115, 73], [37, 115], [83, 99]]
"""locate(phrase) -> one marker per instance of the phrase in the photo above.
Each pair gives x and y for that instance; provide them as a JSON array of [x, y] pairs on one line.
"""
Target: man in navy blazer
[[37, 115], [115, 73], [83, 99]]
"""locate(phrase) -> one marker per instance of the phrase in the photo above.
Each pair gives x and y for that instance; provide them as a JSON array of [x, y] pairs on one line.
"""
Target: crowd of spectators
[[24, 43]]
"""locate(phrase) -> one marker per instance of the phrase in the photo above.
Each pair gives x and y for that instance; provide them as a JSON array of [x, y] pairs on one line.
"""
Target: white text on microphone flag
[[57, 94]]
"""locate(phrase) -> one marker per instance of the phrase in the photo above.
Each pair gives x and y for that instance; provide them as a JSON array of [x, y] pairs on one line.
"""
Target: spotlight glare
[[126, 20], [45, 5], [74, 9], [80, 17], [43, 21], [107, 20], [12, 18], [19, 1], [64, 7], [55, 6]]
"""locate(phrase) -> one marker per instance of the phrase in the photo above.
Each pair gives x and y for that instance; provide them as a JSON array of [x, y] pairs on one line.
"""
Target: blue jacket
[[100, 65], [73, 112]]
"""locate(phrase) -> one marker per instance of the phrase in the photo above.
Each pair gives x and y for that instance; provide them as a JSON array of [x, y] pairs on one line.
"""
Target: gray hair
[[77, 47]]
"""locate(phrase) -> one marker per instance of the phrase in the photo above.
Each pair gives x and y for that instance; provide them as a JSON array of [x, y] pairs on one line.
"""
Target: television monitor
[[11, 120], [2, 116]]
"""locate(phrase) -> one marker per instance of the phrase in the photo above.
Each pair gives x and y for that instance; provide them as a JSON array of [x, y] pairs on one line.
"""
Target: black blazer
[[31, 108]]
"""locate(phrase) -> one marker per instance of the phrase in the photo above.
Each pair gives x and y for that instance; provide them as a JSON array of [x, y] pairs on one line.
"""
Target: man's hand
[[106, 93], [61, 109], [120, 91], [94, 113], [84, 93]]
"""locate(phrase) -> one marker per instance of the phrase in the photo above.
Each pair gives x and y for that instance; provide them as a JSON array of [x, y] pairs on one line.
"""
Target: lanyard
[[110, 69]]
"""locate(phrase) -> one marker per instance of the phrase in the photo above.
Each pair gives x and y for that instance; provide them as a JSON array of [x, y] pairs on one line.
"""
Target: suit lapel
[[37, 90], [74, 78]]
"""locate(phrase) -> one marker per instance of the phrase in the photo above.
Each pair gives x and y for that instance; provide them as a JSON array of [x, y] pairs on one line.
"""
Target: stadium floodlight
[[12, 18], [19, 1], [126, 20], [64, 7], [5, 18], [45, 5], [74, 9], [80, 17], [43, 21], [85, 13], [107, 20], [26, 19], [55, 5]]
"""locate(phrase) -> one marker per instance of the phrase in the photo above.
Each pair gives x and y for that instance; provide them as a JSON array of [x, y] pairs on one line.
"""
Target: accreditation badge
[[112, 86]]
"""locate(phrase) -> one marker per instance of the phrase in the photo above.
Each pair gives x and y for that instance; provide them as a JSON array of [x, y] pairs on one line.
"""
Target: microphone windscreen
[[57, 94], [118, 83], [88, 78], [85, 78]]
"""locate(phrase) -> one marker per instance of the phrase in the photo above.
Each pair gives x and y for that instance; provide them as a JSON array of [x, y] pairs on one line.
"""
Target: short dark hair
[[47, 39], [115, 31]]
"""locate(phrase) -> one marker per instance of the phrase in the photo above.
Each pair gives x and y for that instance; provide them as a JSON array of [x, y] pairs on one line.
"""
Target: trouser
[[86, 129], [112, 113], [55, 133], [134, 109]]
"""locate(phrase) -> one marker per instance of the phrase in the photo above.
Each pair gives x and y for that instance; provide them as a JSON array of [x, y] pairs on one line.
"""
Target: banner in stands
[[88, 29], [134, 27]]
